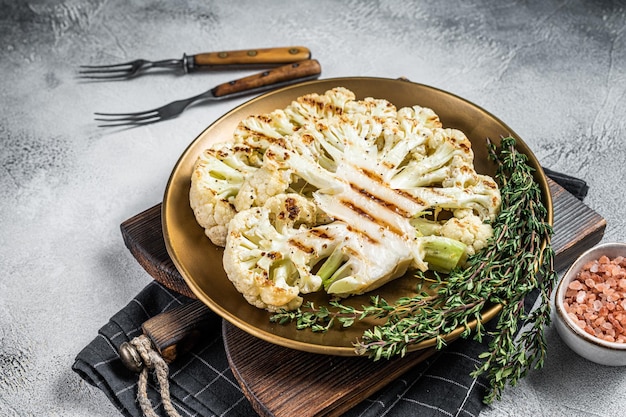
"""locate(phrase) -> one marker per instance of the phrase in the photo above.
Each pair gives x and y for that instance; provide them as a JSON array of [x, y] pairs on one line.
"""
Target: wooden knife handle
[[247, 57], [173, 333], [303, 69]]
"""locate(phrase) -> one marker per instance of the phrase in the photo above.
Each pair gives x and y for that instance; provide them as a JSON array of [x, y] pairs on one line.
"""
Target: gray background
[[554, 71]]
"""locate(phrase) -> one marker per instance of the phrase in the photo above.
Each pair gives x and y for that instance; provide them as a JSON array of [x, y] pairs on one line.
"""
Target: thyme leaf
[[517, 261]]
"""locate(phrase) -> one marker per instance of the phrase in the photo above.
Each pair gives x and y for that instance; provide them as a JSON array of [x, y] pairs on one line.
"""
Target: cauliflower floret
[[211, 213], [291, 211], [271, 179], [261, 259], [217, 176], [469, 229], [260, 131], [312, 107]]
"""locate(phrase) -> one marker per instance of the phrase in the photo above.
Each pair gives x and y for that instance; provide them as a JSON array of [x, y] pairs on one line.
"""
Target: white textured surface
[[554, 71]]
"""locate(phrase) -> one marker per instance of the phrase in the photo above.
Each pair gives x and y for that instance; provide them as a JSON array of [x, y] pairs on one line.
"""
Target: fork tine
[[134, 119], [127, 123], [109, 72], [117, 123], [121, 71], [127, 119], [97, 67], [122, 76], [105, 70], [138, 114]]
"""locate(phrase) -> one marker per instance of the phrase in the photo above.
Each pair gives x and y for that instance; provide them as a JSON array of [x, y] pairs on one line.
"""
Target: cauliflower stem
[[442, 253]]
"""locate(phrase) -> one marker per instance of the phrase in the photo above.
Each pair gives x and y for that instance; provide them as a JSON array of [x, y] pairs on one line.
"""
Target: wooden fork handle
[[247, 57], [303, 69]]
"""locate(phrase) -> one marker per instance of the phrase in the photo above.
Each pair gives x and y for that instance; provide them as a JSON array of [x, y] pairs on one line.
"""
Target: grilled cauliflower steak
[[340, 194]]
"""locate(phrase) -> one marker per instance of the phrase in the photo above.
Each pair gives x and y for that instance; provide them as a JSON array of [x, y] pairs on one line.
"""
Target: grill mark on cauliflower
[[257, 135], [301, 246], [320, 233], [381, 202], [411, 197], [364, 234], [372, 175], [490, 184], [357, 210], [321, 106]]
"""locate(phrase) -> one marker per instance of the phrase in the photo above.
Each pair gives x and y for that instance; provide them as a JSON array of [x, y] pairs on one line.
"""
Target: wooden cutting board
[[306, 384]]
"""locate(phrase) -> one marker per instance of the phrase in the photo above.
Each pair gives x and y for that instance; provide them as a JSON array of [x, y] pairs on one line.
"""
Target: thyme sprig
[[517, 261]]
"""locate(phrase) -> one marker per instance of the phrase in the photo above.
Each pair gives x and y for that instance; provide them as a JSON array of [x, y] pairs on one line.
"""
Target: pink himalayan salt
[[596, 299]]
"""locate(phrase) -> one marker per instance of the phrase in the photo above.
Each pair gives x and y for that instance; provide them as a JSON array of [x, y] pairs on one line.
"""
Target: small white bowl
[[581, 342]]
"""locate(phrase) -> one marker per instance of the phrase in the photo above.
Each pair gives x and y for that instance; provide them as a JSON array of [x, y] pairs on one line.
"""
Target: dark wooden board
[[318, 385], [143, 236], [286, 382]]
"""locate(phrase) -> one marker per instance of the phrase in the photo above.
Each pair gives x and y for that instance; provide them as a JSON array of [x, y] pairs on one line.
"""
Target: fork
[[191, 63], [266, 80]]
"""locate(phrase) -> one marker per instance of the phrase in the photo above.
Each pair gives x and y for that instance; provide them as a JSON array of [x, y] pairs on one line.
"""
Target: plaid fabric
[[202, 384]]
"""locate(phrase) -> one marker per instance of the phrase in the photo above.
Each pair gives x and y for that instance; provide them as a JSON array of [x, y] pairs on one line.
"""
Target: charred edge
[[433, 120], [242, 148], [260, 136], [307, 138], [223, 153], [292, 210], [272, 255], [265, 118], [219, 153], [465, 146], [490, 184], [321, 105], [269, 154]]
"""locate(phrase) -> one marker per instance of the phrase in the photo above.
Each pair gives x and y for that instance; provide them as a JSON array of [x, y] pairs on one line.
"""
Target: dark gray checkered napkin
[[202, 384]]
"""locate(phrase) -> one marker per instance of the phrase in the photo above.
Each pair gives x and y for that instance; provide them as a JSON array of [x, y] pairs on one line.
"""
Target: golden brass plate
[[200, 262]]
